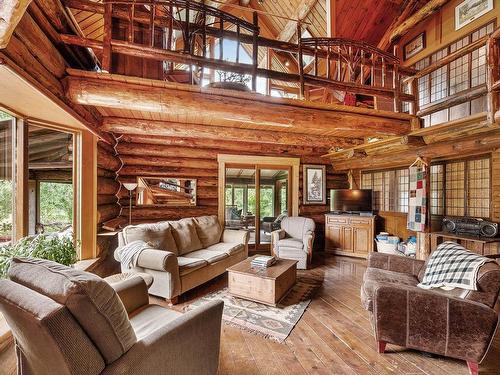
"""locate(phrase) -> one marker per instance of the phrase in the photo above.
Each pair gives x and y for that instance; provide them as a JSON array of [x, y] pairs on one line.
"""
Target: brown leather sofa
[[458, 323]]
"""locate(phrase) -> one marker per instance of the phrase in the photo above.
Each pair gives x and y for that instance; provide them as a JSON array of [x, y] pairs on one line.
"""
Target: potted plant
[[60, 248]]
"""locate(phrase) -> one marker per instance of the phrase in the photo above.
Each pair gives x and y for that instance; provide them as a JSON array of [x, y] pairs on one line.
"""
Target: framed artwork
[[314, 184], [470, 10], [414, 46]]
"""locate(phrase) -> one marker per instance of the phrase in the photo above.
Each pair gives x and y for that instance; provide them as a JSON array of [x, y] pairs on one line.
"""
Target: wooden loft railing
[[187, 33], [352, 66]]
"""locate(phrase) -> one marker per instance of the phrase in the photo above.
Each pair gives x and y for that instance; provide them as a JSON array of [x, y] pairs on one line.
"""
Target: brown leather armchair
[[458, 323]]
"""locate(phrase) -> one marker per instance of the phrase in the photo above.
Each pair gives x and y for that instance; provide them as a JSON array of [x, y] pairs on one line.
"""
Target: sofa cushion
[[211, 256], [208, 229], [374, 277], [291, 243], [90, 299], [185, 236], [227, 247], [188, 265], [150, 318], [157, 235]]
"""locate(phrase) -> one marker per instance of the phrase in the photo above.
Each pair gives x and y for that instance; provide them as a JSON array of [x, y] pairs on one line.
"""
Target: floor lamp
[[131, 186]]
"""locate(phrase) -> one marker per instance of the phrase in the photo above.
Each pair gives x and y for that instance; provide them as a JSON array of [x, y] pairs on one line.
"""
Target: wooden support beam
[[331, 18], [356, 153], [303, 10], [114, 91], [413, 140], [427, 10], [11, 12], [472, 145], [153, 128]]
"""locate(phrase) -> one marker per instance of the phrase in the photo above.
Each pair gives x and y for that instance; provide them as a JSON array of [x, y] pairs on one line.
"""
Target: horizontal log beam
[[151, 128], [479, 143], [195, 147], [113, 91]]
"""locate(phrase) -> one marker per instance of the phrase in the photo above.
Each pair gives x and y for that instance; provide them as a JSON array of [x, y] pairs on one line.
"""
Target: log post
[[255, 50], [108, 29], [301, 62], [396, 83]]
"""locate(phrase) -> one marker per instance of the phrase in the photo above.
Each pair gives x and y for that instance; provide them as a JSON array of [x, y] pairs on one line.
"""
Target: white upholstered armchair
[[294, 240]]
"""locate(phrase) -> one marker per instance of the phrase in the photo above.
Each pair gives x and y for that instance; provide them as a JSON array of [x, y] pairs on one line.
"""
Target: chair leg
[[473, 368], [381, 346]]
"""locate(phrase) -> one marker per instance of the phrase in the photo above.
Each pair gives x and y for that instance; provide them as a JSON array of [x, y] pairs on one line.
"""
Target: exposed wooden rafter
[[303, 10], [11, 12], [427, 10]]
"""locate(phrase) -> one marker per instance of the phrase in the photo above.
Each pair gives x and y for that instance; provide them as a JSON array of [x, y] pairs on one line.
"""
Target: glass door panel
[[6, 178], [239, 210], [273, 202]]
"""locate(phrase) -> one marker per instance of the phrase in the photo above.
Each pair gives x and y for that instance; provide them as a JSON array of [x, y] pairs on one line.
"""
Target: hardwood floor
[[334, 336]]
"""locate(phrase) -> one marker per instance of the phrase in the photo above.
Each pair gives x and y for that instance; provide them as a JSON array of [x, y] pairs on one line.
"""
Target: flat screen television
[[350, 200]]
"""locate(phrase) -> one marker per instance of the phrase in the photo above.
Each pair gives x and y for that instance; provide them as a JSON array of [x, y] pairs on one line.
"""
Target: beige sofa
[[187, 252]]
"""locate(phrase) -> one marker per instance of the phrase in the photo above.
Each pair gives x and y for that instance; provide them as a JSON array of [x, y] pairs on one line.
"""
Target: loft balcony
[[192, 43]]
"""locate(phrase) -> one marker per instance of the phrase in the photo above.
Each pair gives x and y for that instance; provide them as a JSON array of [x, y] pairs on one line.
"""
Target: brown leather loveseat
[[458, 323]]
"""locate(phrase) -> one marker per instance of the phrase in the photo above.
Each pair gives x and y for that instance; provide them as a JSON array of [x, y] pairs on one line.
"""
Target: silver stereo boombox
[[470, 226]]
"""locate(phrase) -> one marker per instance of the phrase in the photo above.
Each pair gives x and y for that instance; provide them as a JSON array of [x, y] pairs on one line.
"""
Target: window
[[457, 188], [55, 206], [459, 75], [6, 177], [390, 189], [461, 188]]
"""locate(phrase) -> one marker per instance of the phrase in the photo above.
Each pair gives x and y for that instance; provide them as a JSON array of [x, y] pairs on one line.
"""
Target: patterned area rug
[[274, 323]]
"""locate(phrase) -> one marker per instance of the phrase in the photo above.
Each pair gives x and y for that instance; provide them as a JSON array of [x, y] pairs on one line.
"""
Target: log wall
[[199, 160], [108, 164]]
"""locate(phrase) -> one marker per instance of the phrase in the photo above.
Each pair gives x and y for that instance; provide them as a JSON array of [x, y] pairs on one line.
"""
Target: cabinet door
[[333, 237], [347, 243], [362, 239]]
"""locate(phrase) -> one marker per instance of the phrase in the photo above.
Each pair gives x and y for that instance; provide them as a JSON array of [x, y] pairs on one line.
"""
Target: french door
[[256, 198]]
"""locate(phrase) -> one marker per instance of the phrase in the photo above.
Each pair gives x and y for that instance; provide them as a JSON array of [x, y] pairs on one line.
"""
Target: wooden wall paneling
[[495, 186]]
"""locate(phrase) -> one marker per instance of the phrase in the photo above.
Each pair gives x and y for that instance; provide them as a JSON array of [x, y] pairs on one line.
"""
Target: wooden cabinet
[[349, 234]]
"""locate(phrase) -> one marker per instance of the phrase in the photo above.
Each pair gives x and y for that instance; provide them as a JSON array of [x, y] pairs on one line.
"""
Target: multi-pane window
[[478, 63], [423, 90], [457, 188], [454, 189], [437, 190], [390, 189], [461, 188], [439, 83], [478, 188], [459, 74]]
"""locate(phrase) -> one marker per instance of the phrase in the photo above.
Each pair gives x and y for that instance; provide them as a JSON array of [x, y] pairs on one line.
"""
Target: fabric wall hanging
[[417, 204]]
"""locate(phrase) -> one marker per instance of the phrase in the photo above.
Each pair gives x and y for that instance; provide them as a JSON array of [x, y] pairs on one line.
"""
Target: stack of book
[[263, 261]]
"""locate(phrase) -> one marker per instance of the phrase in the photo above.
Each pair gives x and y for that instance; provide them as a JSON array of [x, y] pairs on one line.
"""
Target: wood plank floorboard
[[334, 336]]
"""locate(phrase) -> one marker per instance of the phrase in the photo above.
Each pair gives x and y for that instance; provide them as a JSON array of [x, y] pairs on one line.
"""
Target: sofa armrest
[[159, 260], [187, 345], [396, 263], [275, 237], [308, 241], [235, 236], [432, 321], [133, 293]]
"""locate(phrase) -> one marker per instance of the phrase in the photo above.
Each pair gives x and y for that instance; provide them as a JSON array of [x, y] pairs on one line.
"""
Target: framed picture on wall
[[414, 46], [470, 10], [314, 184]]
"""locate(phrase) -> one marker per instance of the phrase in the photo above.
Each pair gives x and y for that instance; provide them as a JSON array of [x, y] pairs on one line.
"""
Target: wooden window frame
[[466, 161]]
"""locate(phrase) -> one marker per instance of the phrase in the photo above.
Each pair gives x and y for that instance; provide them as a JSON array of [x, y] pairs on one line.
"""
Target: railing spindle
[[316, 59], [383, 72], [187, 41], [339, 64], [255, 50], [131, 15], [237, 44], [301, 62], [152, 25], [221, 40], [362, 77], [328, 63]]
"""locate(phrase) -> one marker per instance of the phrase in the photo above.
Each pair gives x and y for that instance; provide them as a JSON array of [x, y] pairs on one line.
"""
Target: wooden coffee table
[[263, 285]]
